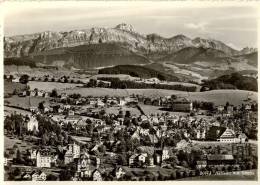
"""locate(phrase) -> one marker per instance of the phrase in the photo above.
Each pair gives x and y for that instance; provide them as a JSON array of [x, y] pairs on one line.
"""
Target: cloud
[[201, 26]]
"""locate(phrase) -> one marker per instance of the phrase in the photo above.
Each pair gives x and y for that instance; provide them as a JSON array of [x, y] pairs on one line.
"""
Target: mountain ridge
[[151, 46]]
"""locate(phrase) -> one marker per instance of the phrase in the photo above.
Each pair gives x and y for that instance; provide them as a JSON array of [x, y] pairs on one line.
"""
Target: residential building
[[96, 175], [43, 158], [228, 136], [32, 124]]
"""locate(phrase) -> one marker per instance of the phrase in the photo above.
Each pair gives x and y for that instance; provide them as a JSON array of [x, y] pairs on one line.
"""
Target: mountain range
[[122, 45]]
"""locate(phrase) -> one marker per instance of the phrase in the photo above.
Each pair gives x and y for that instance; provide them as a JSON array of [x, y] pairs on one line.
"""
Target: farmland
[[49, 86], [218, 97], [24, 102]]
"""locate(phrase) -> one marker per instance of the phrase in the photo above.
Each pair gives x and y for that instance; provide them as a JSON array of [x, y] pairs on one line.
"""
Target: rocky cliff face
[[57, 45]]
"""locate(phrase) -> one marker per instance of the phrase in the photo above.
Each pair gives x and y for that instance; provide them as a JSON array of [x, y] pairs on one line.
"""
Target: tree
[[24, 79], [54, 93], [18, 156], [16, 172], [41, 106]]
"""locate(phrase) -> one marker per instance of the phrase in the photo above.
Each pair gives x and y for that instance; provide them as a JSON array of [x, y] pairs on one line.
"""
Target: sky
[[234, 25]]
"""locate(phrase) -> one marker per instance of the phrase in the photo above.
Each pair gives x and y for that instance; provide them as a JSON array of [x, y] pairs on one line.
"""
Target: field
[[49, 86], [9, 87], [218, 97], [11, 110], [148, 109], [22, 145], [25, 102]]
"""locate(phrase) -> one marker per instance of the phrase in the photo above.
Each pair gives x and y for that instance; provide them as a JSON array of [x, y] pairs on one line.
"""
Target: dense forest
[[19, 62], [138, 71], [232, 81]]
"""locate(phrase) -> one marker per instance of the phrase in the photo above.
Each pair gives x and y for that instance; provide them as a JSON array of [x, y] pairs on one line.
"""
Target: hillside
[[90, 56], [19, 62], [192, 54], [138, 71], [232, 81]]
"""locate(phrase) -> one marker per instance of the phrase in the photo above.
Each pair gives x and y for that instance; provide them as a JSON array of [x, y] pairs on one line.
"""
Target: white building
[[43, 159], [228, 136], [32, 124]]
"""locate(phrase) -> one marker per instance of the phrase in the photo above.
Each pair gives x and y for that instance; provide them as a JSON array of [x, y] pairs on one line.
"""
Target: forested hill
[[232, 81], [138, 71]]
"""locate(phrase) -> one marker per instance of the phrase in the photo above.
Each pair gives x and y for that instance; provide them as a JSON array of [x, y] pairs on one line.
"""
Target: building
[[96, 175], [181, 105], [32, 124], [165, 154], [228, 136], [73, 152], [201, 164], [39, 176], [242, 138], [119, 172], [83, 166], [43, 158]]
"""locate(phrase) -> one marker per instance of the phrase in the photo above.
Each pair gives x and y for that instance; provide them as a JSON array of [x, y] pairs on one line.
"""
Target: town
[[134, 137]]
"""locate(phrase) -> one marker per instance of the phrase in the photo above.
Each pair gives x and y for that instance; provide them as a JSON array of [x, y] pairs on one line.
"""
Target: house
[[16, 80], [242, 138], [70, 113], [32, 124], [43, 158], [142, 157], [201, 164], [72, 119], [220, 108], [83, 166], [201, 134], [165, 153], [46, 95], [96, 175], [35, 176], [33, 154], [230, 109], [41, 93], [48, 109], [122, 102], [100, 103], [248, 107], [33, 93], [26, 176], [132, 159], [63, 96], [119, 172], [72, 153], [39, 176], [42, 176], [228, 136]]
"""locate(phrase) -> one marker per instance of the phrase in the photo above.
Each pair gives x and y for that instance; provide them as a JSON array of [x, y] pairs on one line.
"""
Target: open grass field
[[22, 145], [218, 97], [148, 109], [9, 87], [11, 110], [25, 102], [49, 86]]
